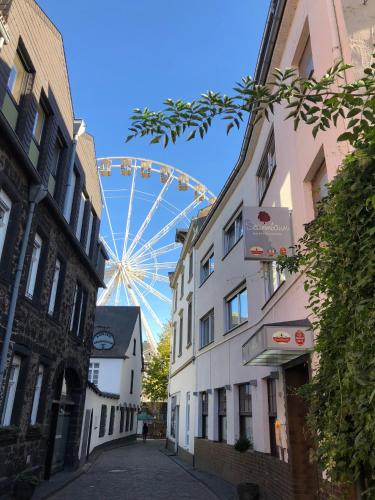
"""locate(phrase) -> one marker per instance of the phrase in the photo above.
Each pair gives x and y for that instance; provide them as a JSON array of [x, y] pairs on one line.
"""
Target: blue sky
[[123, 54]]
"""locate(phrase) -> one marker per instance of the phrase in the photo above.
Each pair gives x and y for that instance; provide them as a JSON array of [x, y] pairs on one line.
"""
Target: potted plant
[[24, 486], [242, 444]]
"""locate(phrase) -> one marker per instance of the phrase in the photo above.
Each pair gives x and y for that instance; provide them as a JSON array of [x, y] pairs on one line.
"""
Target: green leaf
[[191, 135], [156, 139], [346, 136], [229, 127]]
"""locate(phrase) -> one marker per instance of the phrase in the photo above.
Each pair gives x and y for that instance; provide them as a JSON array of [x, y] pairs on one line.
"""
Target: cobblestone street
[[141, 472]]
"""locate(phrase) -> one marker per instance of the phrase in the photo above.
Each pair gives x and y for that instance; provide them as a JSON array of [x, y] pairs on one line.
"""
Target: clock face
[[103, 340]]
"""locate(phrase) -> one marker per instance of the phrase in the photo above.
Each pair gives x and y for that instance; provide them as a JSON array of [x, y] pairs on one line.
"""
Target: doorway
[[305, 473]]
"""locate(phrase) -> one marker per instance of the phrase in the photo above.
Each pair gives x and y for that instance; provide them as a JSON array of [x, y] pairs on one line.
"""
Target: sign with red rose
[[267, 232]]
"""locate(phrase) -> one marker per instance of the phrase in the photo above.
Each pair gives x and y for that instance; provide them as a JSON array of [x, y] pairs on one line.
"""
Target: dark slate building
[[50, 206]]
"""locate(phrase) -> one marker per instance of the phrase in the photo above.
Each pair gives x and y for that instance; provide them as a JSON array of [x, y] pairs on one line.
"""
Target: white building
[[114, 380], [221, 387]]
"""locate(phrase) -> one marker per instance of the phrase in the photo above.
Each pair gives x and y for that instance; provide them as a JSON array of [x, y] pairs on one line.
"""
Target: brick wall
[[272, 475]]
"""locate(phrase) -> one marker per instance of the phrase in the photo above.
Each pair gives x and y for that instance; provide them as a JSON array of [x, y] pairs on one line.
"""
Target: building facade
[[114, 378], [225, 386], [47, 165]]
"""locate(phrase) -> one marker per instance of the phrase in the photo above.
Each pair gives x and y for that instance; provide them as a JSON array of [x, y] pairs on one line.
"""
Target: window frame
[[56, 164], [182, 284], [204, 414], [306, 61], [37, 393], [209, 256], [189, 322], [103, 420], [77, 323], [6, 208], [93, 372], [238, 231], [191, 265], [181, 331], [27, 72], [10, 392], [210, 316], [235, 295], [267, 167], [111, 420], [245, 410], [34, 264], [52, 303], [131, 381], [270, 279]]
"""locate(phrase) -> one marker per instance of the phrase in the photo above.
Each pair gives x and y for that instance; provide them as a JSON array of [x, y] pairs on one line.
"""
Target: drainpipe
[[79, 128], [36, 195]]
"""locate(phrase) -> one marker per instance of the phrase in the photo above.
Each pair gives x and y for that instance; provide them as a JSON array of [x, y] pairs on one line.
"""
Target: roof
[[95, 389], [119, 322]]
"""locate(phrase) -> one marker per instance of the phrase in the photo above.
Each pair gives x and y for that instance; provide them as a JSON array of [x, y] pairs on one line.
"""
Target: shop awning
[[278, 343]]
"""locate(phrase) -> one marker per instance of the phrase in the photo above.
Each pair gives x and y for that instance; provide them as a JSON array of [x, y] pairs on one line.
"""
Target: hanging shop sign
[[103, 340], [267, 232], [276, 345]]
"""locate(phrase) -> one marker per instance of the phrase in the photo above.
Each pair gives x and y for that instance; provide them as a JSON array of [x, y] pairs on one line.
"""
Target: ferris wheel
[[144, 201]]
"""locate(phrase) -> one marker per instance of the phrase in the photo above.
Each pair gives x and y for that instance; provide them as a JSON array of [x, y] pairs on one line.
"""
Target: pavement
[[144, 472]]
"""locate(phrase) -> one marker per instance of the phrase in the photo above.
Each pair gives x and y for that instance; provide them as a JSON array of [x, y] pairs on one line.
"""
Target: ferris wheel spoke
[[153, 290], [155, 276], [129, 215], [147, 305], [159, 265], [149, 335], [128, 301], [149, 216], [109, 250], [108, 218], [165, 230], [155, 253], [103, 299]]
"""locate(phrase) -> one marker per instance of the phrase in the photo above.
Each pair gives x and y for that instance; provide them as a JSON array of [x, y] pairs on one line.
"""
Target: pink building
[[251, 345]]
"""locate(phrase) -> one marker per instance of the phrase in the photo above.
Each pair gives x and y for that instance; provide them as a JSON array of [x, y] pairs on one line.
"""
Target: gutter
[[271, 31], [35, 178]]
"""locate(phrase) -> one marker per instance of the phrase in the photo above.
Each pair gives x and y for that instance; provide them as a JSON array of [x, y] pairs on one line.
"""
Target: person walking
[[144, 431]]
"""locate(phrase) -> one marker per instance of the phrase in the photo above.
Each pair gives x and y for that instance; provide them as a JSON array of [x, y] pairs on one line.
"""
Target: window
[[207, 329], [131, 419], [204, 403], [39, 124], [34, 264], [190, 322], [111, 420], [122, 418], [174, 341], [266, 168], [55, 284], [207, 265], [187, 420], [17, 78], [78, 311], [272, 414], [306, 63], [5, 208], [245, 411], [69, 196], [103, 420], [89, 233], [57, 154], [236, 307], [173, 416], [134, 346], [81, 211], [131, 381], [319, 186], [181, 334], [37, 391], [190, 265], [182, 284], [175, 298], [272, 278], [222, 414], [233, 232], [93, 375], [10, 393], [127, 420]]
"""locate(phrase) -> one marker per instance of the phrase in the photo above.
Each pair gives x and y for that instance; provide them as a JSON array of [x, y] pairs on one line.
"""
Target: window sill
[[8, 434], [75, 338], [272, 296], [206, 345], [179, 355], [235, 327], [188, 345], [205, 279], [231, 248]]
